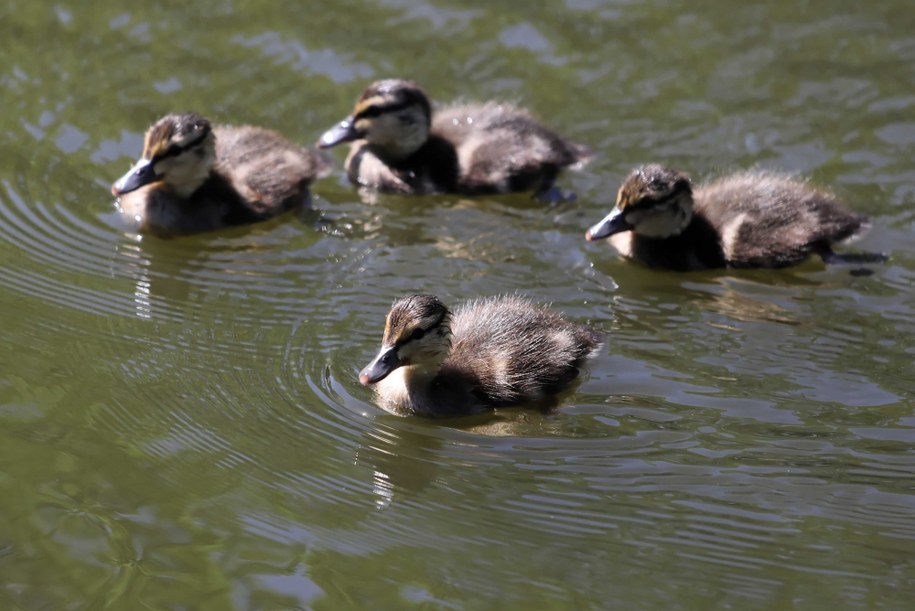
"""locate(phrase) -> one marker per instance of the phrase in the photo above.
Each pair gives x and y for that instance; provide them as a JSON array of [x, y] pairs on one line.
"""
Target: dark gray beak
[[615, 222], [140, 174], [344, 131], [381, 366]]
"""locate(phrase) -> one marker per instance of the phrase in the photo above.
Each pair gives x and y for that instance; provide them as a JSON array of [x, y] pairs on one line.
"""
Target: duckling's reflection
[[761, 295], [742, 307], [401, 457], [148, 263], [406, 454], [757, 295], [165, 272]]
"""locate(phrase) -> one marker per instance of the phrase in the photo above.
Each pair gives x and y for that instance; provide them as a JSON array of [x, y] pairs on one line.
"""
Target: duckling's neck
[[396, 153], [408, 389], [186, 178], [670, 224], [415, 378], [432, 167], [394, 143], [435, 350], [420, 375], [697, 246]]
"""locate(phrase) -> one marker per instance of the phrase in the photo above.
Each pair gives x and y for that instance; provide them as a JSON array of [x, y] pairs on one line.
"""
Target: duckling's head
[[417, 334], [179, 151], [654, 202], [392, 116]]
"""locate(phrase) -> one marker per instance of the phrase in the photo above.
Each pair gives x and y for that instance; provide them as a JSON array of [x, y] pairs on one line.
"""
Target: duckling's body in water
[[193, 177], [488, 353], [400, 146], [747, 219]]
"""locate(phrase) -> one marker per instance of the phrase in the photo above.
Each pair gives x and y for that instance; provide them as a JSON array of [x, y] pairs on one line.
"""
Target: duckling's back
[[501, 148], [268, 170], [515, 350], [767, 219]]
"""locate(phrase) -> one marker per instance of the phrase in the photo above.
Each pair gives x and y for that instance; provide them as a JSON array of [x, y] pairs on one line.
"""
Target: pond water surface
[[181, 426]]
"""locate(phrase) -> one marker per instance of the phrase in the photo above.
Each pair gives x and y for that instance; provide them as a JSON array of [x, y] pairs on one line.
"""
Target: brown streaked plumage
[[193, 177], [747, 219], [493, 352], [400, 146]]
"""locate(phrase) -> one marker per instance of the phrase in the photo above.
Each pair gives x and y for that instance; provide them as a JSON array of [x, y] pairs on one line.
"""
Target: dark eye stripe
[[646, 203], [176, 149], [417, 334], [375, 110], [420, 332]]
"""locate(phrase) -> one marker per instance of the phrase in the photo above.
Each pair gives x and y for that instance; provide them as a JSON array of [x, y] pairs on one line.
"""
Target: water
[[180, 422]]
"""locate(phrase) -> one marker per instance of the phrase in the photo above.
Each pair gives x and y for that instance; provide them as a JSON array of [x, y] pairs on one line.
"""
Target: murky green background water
[[180, 421]]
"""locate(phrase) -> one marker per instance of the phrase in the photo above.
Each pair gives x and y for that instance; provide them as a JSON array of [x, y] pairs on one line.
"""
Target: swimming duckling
[[748, 219], [492, 352], [399, 146], [193, 177]]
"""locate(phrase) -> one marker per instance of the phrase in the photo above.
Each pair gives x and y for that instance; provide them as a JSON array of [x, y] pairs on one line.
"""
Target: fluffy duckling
[[400, 146], [488, 353], [193, 177], [748, 219]]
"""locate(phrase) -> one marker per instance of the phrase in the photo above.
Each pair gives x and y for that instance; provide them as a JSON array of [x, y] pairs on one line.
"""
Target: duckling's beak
[[344, 131], [615, 222], [142, 173], [381, 366]]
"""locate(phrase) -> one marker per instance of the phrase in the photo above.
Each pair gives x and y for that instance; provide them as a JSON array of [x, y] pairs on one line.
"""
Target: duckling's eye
[[418, 333]]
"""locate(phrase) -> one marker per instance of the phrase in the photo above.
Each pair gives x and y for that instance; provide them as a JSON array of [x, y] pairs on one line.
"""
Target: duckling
[[193, 177], [747, 219], [399, 146], [488, 353]]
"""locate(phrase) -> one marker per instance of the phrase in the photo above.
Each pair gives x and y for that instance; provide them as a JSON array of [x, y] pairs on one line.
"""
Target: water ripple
[[187, 411]]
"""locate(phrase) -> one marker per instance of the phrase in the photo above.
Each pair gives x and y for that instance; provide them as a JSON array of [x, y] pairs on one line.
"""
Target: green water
[[180, 422]]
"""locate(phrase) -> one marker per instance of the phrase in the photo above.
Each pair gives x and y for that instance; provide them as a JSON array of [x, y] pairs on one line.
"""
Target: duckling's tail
[[590, 340], [581, 154], [851, 228]]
